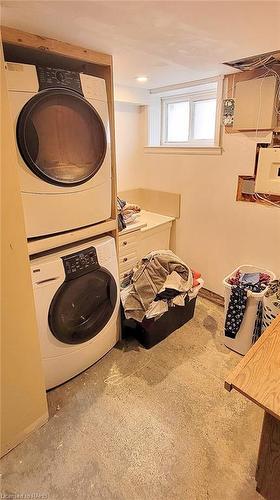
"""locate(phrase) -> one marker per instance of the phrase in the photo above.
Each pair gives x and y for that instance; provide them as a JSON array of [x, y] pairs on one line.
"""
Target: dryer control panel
[[80, 263], [58, 78]]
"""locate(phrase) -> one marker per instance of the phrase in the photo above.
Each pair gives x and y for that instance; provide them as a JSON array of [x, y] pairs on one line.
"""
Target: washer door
[[83, 306], [61, 137]]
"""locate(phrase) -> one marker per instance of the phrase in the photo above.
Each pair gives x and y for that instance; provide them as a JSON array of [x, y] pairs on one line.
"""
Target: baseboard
[[212, 296]]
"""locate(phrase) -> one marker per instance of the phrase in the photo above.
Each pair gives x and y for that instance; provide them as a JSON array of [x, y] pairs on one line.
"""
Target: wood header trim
[[44, 44]]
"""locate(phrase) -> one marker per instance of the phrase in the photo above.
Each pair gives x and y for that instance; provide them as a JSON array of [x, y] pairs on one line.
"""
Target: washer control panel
[[58, 78], [80, 263]]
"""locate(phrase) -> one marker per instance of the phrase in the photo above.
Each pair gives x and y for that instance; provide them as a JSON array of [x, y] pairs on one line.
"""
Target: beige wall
[[215, 234], [23, 397], [128, 145]]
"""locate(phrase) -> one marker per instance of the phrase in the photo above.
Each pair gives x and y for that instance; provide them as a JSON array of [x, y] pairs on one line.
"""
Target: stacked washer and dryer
[[64, 164]]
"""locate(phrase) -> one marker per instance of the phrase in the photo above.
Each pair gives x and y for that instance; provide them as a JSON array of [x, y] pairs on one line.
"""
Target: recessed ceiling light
[[142, 78]]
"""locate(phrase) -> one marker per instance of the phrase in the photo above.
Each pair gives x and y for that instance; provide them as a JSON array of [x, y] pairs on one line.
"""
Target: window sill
[[175, 150]]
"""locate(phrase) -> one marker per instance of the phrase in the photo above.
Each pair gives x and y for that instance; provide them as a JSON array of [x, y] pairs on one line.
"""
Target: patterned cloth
[[271, 303], [240, 277], [121, 221], [237, 306], [258, 323], [127, 213]]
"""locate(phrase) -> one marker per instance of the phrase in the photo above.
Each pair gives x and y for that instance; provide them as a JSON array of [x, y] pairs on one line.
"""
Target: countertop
[[257, 376], [147, 220]]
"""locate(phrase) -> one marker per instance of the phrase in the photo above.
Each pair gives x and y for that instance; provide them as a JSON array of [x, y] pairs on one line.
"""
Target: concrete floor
[[140, 424]]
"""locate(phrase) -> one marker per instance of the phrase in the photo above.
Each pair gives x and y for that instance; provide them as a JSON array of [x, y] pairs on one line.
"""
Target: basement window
[[185, 119], [189, 120]]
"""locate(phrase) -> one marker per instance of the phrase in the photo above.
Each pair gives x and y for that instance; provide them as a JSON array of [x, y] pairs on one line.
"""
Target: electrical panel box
[[255, 104], [268, 171]]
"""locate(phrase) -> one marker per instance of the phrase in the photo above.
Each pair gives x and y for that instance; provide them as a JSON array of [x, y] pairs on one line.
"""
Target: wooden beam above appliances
[[29, 40]]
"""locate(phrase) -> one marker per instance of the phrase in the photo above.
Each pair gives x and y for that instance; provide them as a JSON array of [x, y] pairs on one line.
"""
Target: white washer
[[64, 155], [77, 303]]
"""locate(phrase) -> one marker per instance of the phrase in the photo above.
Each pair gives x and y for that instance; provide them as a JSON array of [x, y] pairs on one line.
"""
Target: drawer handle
[[124, 243], [125, 259]]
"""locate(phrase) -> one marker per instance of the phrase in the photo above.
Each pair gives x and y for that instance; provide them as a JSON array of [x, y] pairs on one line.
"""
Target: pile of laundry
[[243, 285], [159, 281], [127, 213]]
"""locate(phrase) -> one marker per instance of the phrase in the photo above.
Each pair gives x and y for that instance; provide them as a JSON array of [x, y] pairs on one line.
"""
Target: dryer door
[[61, 137], [82, 307]]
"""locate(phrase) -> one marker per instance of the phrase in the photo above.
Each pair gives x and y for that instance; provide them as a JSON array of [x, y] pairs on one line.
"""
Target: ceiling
[[169, 41]]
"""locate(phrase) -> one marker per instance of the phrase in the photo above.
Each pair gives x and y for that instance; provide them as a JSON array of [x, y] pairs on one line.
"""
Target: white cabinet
[[152, 232], [154, 238]]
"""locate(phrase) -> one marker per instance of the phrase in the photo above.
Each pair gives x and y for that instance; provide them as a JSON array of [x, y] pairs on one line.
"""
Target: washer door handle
[[47, 280]]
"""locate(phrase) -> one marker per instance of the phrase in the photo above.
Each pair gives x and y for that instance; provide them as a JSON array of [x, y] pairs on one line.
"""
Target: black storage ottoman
[[150, 332]]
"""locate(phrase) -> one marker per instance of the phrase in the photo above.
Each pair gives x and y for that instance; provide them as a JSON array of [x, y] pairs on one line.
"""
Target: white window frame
[[191, 98]]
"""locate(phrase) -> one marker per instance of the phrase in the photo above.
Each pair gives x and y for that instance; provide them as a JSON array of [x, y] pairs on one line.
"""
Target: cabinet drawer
[[128, 243], [127, 262]]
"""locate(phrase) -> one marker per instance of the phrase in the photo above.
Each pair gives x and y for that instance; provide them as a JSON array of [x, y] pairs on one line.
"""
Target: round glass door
[[83, 306], [61, 137]]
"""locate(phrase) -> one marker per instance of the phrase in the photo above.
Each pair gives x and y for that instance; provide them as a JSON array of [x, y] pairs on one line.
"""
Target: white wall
[[214, 234], [132, 95], [129, 148]]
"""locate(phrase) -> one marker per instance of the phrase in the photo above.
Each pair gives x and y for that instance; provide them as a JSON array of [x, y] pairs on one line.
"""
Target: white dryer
[[63, 138], [77, 303]]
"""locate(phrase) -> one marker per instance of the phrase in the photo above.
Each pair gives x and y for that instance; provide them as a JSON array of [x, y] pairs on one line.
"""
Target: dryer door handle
[[47, 280]]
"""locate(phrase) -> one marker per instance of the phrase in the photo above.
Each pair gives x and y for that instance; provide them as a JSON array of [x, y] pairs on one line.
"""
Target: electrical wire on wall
[[277, 95], [256, 64], [264, 198], [260, 104]]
